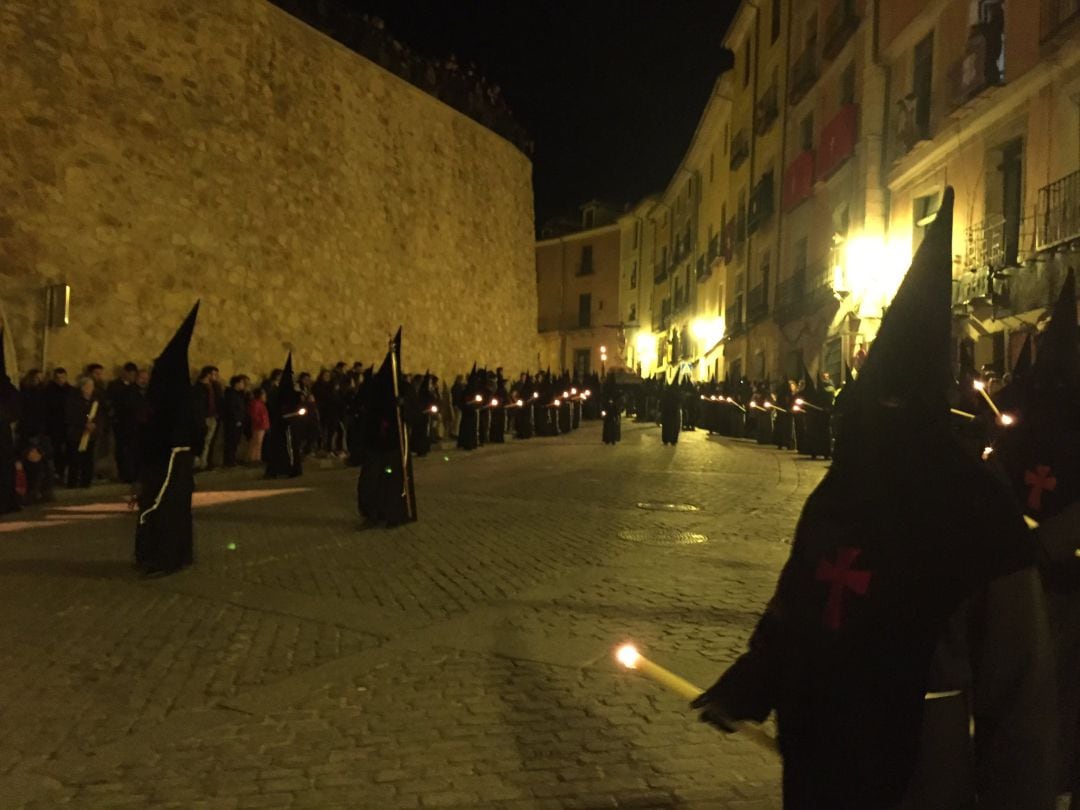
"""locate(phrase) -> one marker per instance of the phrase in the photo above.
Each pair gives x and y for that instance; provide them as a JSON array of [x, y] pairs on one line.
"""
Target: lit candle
[[434, 408], [629, 657], [987, 452], [494, 403], [557, 402], [1006, 419], [520, 403], [478, 398], [1034, 524], [573, 390]]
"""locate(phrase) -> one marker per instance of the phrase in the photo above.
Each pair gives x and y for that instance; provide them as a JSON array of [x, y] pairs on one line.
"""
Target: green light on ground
[[231, 546], [446, 458], [388, 470]]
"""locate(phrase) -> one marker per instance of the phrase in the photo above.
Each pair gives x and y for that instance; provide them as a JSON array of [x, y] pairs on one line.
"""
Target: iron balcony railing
[[1056, 14], [997, 243], [733, 318], [766, 110], [982, 284], [1057, 212], [757, 303]]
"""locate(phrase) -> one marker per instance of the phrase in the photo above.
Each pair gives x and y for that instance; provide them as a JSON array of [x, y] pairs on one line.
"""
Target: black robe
[[670, 415], [385, 488], [612, 407], [9, 413], [164, 539]]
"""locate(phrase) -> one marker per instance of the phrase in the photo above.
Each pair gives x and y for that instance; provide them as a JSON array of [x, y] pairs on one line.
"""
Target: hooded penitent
[[282, 449], [611, 408], [1040, 450], [163, 535], [385, 488], [903, 529]]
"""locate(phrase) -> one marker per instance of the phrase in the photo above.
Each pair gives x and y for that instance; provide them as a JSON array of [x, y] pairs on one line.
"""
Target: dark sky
[[610, 90]]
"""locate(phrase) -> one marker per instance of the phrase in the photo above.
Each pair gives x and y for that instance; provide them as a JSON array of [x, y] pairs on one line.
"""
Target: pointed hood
[[909, 359], [809, 392], [3, 359], [288, 397], [1058, 362], [171, 421], [1023, 360]]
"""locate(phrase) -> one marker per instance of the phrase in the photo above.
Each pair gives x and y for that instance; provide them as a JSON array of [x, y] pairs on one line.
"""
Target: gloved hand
[[713, 710]]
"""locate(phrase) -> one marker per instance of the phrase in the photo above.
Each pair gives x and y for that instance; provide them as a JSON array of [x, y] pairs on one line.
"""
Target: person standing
[[670, 414], [57, 393], [259, 418], [9, 414], [124, 404], [611, 410], [209, 406], [905, 649], [234, 413], [81, 420], [281, 450], [164, 541]]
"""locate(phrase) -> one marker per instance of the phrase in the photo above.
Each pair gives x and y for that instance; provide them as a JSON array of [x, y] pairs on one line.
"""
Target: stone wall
[[157, 151]]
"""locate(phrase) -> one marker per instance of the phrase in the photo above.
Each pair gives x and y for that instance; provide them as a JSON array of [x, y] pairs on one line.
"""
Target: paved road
[[463, 661]]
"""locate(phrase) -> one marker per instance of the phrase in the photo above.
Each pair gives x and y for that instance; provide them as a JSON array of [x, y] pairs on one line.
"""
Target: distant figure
[[611, 410]]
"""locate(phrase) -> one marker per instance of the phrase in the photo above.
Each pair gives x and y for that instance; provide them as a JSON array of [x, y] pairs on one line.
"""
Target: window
[[690, 188], [581, 362], [746, 66], [588, 218], [806, 133], [841, 220], [847, 85], [923, 83], [586, 267], [775, 21], [712, 157], [924, 209], [633, 313], [633, 276], [584, 307]]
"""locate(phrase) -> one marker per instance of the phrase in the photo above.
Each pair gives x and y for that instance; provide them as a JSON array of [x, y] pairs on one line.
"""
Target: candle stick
[[1032, 523], [964, 414], [629, 657], [804, 404], [980, 386]]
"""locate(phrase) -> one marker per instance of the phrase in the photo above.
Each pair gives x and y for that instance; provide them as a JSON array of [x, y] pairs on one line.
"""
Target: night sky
[[610, 90]]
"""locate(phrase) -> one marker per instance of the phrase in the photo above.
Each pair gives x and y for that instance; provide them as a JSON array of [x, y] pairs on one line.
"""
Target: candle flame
[[494, 403], [557, 402], [1007, 419], [520, 403], [536, 395], [573, 390], [768, 404], [302, 411], [434, 408], [603, 413], [796, 407], [588, 393], [478, 398], [979, 385], [986, 453], [627, 655], [565, 394], [800, 401]]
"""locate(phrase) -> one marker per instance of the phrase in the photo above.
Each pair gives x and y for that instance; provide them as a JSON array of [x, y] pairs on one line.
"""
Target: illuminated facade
[[577, 276], [820, 159]]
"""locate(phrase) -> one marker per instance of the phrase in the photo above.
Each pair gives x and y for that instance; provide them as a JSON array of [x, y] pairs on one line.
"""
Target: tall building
[[577, 275], [818, 162]]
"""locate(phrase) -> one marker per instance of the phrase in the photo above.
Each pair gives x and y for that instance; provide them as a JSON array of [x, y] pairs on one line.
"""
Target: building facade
[[820, 159], [578, 290]]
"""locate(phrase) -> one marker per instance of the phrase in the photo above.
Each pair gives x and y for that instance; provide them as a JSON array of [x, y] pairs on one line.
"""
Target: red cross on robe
[[841, 577], [1040, 480]]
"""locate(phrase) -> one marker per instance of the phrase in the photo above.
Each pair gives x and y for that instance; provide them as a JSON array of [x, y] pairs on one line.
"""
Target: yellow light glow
[[707, 330], [871, 269], [603, 350], [987, 452], [573, 390], [434, 408], [557, 402], [603, 413], [478, 398], [565, 394], [979, 385], [301, 412], [494, 403], [521, 403], [536, 395], [800, 401], [1007, 419], [627, 655]]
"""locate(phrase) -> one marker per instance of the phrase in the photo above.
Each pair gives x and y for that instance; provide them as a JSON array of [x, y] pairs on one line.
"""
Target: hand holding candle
[[629, 657]]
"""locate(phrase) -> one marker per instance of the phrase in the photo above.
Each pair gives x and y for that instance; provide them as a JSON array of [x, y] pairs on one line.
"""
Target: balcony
[[996, 244], [803, 74], [841, 23], [978, 69], [806, 290], [740, 149], [1057, 213], [714, 249], [660, 272], [837, 141], [766, 111], [665, 316], [702, 268], [980, 286], [1057, 16], [733, 320], [798, 180], [761, 203], [757, 303]]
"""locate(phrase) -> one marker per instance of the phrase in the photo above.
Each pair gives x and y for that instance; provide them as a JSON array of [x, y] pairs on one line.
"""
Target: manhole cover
[[669, 507], [662, 537]]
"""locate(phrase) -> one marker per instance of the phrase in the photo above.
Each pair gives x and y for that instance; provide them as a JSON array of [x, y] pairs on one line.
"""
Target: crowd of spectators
[[71, 433], [460, 86]]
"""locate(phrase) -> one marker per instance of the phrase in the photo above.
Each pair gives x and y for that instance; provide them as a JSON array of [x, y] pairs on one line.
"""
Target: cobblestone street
[[462, 661]]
